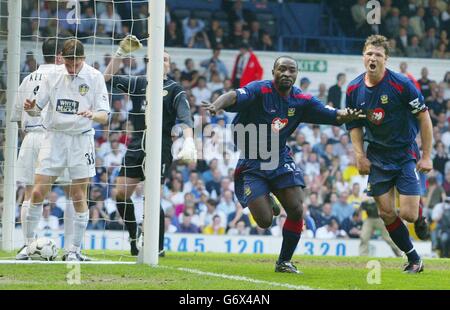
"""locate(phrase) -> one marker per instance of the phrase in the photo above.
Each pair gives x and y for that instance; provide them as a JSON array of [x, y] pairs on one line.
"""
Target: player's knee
[[264, 222], [387, 216], [296, 212], [408, 215]]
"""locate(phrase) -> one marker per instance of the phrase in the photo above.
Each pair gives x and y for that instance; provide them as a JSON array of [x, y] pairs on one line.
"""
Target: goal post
[[10, 149], [153, 136]]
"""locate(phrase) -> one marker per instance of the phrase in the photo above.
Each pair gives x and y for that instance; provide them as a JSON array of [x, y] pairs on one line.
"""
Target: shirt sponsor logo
[[376, 116], [83, 89], [384, 99], [278, 123], [67, 106], [291, 112]]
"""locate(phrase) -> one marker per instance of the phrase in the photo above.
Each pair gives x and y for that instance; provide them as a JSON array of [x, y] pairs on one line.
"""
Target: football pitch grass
[[211, 271]]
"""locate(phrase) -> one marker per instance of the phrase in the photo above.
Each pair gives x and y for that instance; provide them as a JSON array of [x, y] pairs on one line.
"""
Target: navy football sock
[[292, 231], [400, 235]]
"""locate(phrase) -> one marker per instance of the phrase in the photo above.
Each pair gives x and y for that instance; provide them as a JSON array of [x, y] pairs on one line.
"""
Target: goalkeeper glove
[[188, 151], [128, 45]]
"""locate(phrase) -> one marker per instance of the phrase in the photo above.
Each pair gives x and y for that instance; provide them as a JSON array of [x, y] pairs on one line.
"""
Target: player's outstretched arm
[[348, 115], [223, 102], [128, 45]]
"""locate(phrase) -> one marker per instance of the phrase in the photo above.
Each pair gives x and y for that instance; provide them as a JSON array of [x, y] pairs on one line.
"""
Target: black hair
[[284, 56], [51, 48]]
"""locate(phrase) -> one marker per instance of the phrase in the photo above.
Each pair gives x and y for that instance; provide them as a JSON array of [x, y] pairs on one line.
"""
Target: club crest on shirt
[[384, 99], [291, 112], [247, 190], [376, 116], [278, 123], [165, 92], [83, 89]]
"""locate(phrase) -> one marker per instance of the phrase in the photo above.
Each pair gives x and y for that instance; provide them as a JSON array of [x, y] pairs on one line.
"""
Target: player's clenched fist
[[363, 165]]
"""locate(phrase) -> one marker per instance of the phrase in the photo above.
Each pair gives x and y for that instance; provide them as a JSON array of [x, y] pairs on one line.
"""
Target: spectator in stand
[[425, 83], [304, 84], [435, 193], [440, 158], [199, 40], [201, 91], [236, 12], [330, 231], [430, 42], [355, 197], [341, 208], [239, 230], [322, 95], [417, 22], [246, 67], [353, 225], [214, 228], [394, 51], [335, 91], [415, 50], [326, 215], [111, 21], [215, 63], [404, 71], [191, 26], [173, 35], [187, 227], [391, 24], [441, 52], [266, 43], [359, 14], [441, 235], [237, 216], [402, 40]]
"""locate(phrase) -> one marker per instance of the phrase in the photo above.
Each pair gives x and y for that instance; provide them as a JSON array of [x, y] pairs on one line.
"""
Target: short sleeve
[[101, 96], [245, 97], [414, 98]]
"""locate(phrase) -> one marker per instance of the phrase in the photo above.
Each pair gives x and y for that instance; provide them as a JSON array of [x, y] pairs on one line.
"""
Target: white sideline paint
[[188, 270], [240, 278], [27, 262]]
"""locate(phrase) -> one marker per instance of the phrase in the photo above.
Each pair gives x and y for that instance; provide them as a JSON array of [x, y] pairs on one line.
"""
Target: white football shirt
[[28, 89], [66, 95]]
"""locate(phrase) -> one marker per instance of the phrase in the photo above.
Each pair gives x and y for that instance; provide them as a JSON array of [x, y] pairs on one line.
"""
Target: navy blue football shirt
[[391, 107], [260, 103]]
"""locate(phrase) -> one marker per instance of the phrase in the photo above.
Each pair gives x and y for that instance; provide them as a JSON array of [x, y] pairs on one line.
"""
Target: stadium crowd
[[199, 197]]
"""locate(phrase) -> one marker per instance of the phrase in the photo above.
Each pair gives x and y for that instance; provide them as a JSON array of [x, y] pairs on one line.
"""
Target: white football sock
[[69, 213], [33, 217], [23, 219], [79, 227]]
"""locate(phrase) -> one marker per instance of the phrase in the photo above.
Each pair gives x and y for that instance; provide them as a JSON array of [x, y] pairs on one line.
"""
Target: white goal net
[[100, 25]]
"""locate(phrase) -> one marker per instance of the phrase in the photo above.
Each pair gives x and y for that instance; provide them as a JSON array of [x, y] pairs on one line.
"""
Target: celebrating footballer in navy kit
[[395, 112], [276, 108]]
